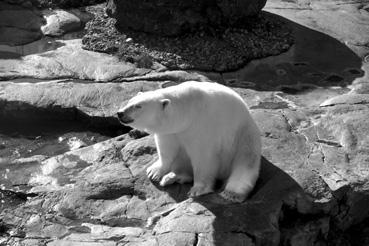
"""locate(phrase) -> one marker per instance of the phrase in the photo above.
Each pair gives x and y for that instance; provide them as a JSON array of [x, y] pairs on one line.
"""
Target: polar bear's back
[[212, 98], [211, 107], [200, 92]]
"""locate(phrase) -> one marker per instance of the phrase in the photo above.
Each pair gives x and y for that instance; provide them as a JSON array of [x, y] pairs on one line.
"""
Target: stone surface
[[19, 24], [310, 103], [46, 4], [313, 180], [65, 100], [324, 16], [173, 18], [69, 60], [59, 22]]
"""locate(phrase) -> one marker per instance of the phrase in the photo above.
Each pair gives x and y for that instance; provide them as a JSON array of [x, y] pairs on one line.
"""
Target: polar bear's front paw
[[199, 190], [232, 196], [155, 172], [168, 179]]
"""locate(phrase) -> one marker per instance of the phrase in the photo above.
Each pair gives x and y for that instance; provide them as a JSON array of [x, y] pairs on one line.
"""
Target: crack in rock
[[330, 143]]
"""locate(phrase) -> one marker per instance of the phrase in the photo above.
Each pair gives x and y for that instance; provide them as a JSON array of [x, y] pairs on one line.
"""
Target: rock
[[314, 181], [64, 4], [347, 99], [75, 143], [218, 48], [59, 22], [104, 189], [324, 16], [107, 232], [68, 101], [69, 61], [172, 77], [19, 25], [169, 18]]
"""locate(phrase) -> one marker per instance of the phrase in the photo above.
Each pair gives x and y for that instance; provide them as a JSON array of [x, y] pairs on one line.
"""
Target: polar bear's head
[[148, 111]]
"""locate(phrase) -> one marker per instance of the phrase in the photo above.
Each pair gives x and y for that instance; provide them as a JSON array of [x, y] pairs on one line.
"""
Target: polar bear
[[203, 133]]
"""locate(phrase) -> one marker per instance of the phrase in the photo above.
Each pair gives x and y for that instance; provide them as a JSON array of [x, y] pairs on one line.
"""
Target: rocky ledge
[[313, 187]]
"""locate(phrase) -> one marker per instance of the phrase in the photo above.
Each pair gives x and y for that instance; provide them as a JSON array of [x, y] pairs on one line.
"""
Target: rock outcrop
[[22, 23], [19, 24], [69, 61], [59, 22], [170, 18], [313, 184], [220, 48]]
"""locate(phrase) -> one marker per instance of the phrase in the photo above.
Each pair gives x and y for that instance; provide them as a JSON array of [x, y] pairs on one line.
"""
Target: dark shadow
[[315, 59], [37, 47], [9, 55], [22, 34], [18, 116], [30, 130]]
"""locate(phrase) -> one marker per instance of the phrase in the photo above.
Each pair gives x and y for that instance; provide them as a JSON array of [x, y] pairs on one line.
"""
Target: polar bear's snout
[[124, 117]]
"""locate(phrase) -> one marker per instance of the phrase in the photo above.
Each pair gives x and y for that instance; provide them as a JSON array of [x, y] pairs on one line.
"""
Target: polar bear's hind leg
[[205, 170], [244, 172], [240, 183]]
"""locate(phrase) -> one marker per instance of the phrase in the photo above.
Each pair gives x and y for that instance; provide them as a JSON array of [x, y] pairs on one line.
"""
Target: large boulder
[[169, 18], [59, 22], [19, 25]]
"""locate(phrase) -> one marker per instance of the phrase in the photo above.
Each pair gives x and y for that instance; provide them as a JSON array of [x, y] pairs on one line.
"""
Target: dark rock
[[207, 50], [170, 18], [57, 4], [19, 25]]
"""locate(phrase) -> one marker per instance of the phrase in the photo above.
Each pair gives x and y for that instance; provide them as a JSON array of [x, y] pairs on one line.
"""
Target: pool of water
[[43, 45], [24, 144]]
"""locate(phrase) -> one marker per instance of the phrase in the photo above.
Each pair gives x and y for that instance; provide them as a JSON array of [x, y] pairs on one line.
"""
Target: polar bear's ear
[[164, 103], [139, 93]]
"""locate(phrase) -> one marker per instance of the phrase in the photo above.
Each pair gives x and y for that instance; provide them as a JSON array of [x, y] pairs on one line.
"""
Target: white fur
[[203, 131]]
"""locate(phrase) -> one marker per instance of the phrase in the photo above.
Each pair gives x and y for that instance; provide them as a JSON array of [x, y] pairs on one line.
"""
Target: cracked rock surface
[[311, 104]]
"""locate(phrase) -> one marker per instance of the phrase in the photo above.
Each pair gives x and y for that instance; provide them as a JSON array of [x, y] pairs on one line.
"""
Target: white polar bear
[[203, 132]]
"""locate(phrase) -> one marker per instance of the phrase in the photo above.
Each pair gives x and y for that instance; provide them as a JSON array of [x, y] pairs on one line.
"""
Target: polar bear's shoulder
[[202, 87]]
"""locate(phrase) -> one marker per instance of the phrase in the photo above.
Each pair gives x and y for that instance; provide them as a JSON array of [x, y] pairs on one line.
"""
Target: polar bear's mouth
[[124, 118]]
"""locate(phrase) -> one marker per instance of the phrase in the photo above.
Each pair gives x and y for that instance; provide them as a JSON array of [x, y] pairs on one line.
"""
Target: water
[[23, 145], [43, 45]]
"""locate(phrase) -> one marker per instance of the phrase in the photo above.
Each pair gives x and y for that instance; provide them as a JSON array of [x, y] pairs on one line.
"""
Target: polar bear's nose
[[124, 118]]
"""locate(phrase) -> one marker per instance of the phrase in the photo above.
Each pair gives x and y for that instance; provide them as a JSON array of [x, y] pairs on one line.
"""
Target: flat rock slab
[[65, 100], [353, 18], [69, 60]]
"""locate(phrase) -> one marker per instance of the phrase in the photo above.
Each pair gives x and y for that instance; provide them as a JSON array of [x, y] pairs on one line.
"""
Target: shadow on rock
[[19, 24], [38, 119], [315, 60], [37, 47], [257, 221]]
